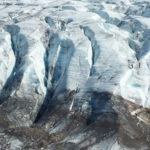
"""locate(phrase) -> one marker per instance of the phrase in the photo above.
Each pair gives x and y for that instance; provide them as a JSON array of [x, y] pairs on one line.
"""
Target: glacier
[[75, 74]]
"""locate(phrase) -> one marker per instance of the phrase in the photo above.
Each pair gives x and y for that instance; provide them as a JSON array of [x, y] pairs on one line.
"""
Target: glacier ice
[[70, 74]]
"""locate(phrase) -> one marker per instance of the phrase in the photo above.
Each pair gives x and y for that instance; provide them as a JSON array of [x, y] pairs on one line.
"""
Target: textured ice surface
[[71, 68]]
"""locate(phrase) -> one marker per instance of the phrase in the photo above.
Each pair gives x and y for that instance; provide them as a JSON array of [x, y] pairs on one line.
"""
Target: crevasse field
[[74, 75]]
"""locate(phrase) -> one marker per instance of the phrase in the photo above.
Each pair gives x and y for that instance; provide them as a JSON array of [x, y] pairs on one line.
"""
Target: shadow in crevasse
[[59, 76], [146, 43], [20, 48], [142, 49], [102, 110], [140, 34], [62, 64]]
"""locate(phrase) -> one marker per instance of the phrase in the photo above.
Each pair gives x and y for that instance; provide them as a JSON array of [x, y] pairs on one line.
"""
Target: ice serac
[[75, 74], [7, 58], [24, 91]]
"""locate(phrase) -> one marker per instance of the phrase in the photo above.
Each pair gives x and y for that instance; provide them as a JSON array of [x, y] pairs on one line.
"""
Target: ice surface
[[71, 60]]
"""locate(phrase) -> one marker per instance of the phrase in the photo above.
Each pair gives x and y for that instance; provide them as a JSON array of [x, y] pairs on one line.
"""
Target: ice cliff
[[75, 74]]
